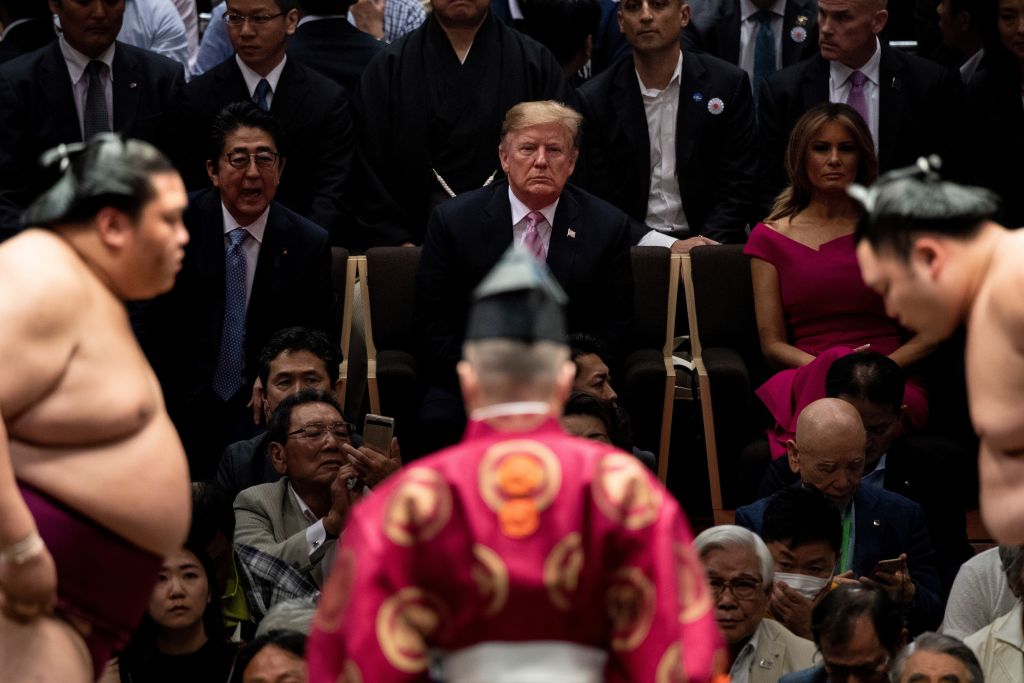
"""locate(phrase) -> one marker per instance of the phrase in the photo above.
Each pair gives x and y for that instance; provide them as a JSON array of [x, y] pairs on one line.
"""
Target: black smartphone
[[377, 432]]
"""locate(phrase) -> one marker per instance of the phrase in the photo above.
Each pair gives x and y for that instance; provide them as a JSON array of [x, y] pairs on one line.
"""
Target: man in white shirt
[[156, 25], [907, 102], [670, 135]]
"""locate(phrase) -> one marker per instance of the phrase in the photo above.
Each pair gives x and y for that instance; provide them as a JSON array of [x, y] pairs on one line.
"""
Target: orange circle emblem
[[405, 622], [418, 508], [518, 480], [625, 493], [630, 607]]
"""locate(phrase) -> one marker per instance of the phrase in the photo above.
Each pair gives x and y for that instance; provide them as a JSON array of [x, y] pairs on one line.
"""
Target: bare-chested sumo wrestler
[[94, 486], [932, 250]]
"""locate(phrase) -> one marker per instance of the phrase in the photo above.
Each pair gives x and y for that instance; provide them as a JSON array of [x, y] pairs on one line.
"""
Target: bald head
[[828, 452]]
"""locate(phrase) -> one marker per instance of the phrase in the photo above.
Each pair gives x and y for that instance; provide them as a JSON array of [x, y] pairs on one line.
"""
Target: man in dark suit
[[252, 267], [327, 43], [72, 88], [828, 455], [583, 240], [908, 102], [312, 110], [730, 29], [27, 26], [669, 137]]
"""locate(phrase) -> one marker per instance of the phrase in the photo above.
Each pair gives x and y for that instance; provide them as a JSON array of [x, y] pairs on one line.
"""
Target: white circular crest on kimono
[[716, 106], [798, 34]]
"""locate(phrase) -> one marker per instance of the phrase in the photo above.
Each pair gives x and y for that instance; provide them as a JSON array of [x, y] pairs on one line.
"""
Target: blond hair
[[527, 114]]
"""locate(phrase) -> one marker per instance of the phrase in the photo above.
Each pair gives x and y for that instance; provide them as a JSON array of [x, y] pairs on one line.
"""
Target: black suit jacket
[[335, 49], [466, 237], [292, 286], [318, 145], [714, 152], [717, 32], [37, 112], [915, 114], [24, 38]]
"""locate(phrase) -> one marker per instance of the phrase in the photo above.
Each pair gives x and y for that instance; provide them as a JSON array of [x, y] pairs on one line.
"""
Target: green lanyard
[[844, 553]]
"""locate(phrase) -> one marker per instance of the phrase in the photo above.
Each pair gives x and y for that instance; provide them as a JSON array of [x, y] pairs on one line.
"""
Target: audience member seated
[[594, 378], [428, 110], [739, 571], [670, 137], [920, 468], [980, 594], [591, 418], [759, 36], [295, 614], [812, 305], [803, 532], [908, 102], [583, 240], [155, 25], [181, 637], [936, 658], [77, 86], [828, 455], [293, 360], [298, 519], [251, 267], [567, 28], [999, 645], [859, 630], [327, 43], [960, 22], [27, 26], [277, 657], [312, 111], [992, 112], [387, 20], [214, 45]]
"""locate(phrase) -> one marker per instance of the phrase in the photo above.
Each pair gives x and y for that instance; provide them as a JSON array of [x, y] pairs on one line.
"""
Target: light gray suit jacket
[[779, 652], [268, 518]]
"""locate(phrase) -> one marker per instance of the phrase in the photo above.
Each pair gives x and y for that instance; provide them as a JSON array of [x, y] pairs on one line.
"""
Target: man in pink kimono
[[521, 553]]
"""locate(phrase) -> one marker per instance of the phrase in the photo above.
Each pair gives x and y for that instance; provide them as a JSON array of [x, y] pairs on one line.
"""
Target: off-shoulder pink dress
[[829, 312]]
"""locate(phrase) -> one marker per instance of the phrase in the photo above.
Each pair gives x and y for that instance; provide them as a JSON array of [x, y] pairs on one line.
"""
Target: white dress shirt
[[251, 247], [740, 671], [316, 535], [839, 84], [519, 211], [664, 202], [156, 25], [749, 26], [76, 63], [252, 79]]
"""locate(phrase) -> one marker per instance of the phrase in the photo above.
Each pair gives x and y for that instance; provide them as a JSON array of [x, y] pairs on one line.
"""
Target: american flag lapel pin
[[571, 233]]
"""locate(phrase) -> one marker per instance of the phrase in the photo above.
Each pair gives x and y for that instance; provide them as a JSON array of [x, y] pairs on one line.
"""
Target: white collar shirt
[[250, 246], [664, 202], [740, 672], [519, 212], [839, 84], [77, 63], [749, 26], [252, 79]]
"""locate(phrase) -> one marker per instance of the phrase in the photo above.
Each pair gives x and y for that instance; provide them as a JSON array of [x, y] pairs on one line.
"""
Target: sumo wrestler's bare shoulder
[[42, 292], [1000, 297]]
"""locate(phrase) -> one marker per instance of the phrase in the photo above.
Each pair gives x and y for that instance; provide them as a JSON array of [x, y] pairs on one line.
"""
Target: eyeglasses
[[872, 671], [315, 430], [742, 589], [264, 160], [237, 20]]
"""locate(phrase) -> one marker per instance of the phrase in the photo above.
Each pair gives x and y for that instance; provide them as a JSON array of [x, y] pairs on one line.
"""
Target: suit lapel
[[768, 660], [496, 223], [796, 15], [867, 528], [269, 266], [291, 92], [627, 101], [729, 32], [890, 105], [562, 247], [210, 262], [127, 88], [815, 84], [694, 94], [58, 91]]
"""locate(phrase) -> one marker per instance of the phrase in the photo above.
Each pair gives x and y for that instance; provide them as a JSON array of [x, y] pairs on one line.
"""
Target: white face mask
[[807, 586]]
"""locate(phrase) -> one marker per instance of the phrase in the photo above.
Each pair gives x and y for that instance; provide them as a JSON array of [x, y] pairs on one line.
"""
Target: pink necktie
[[855, 98], [532, 239]]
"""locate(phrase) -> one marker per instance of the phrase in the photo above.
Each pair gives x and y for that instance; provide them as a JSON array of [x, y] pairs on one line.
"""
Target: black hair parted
[[289, 641], [798, 515], [867, 375], [292, 339], [243, 114], [280, 421]]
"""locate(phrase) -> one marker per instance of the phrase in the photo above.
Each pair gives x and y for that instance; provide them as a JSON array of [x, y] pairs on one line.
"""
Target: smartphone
[[888, 566], [377, 432]]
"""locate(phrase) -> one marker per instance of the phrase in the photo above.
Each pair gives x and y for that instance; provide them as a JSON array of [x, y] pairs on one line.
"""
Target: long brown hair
[[797, 196]]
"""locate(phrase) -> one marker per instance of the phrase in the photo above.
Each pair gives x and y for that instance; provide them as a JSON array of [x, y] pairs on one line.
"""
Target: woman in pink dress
[[812, 305]]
